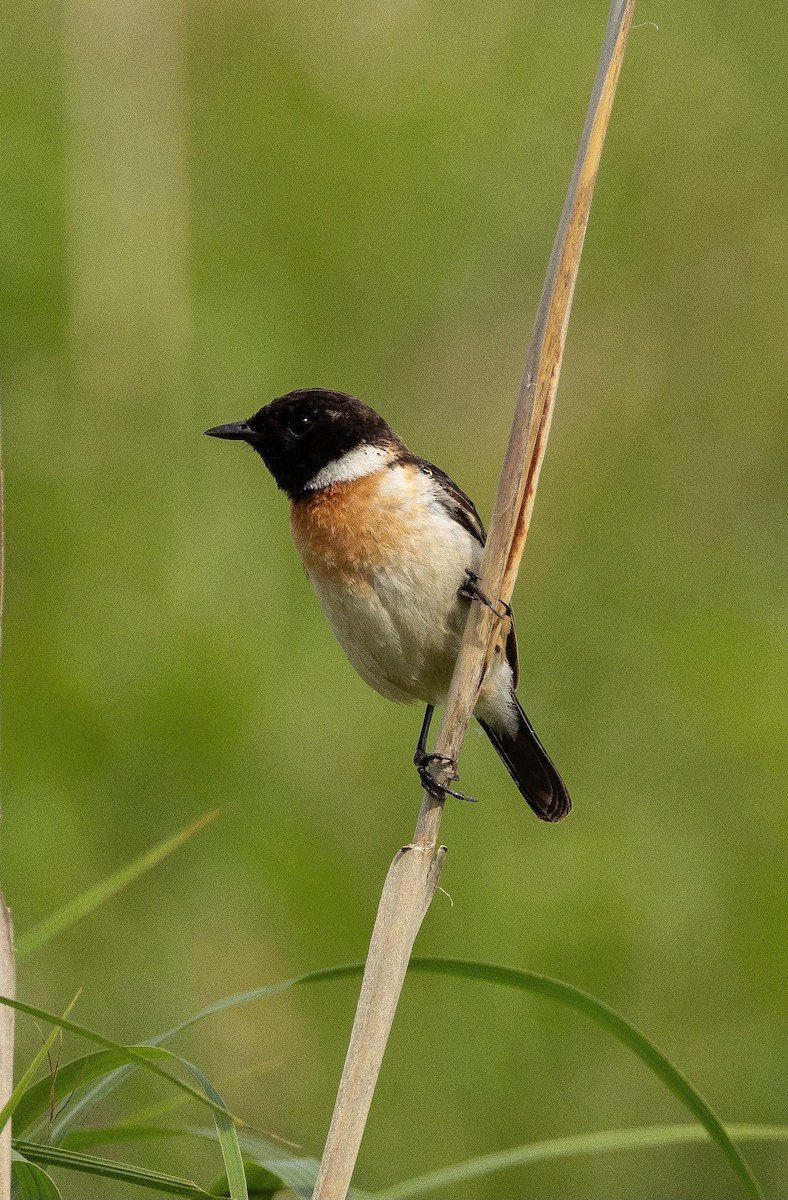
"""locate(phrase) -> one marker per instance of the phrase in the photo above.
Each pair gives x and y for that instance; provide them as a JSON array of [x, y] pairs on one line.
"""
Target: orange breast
[[348, 529]]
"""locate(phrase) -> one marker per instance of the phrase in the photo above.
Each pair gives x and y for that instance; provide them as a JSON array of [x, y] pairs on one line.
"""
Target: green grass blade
[[566, 994], [227, 1135], [294, 1177], [632, 1038], [140, 1055], [56, 1156], [103, 1087], [324, 975], [566, 1147], [296, 1173], [262, 1184], [529, 981], [39, 1098], [29, 1182], [141, 1118], [72, 912], [26, 1079], [165, 1108]]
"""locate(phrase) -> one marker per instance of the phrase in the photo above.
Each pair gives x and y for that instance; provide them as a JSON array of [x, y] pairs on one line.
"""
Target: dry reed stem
[[413, 875]]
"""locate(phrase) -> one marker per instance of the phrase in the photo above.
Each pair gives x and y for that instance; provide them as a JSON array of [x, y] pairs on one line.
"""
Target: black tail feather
[[528, 764]]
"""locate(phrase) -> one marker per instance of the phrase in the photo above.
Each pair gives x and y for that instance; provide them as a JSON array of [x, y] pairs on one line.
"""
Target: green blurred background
[[211, 203]]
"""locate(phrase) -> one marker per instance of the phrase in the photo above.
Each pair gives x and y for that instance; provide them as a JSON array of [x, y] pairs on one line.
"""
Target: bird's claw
[[422, 762], [472, 591]]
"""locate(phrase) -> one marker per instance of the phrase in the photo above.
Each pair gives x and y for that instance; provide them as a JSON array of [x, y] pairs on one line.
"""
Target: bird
[[393, 548]]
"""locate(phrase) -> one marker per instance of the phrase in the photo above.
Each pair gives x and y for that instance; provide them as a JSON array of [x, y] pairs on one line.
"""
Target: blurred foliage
[[208, 204]]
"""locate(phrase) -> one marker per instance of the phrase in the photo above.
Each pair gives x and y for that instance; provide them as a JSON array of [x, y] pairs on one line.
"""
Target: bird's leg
[[421, 748], [472, 591], [422, 760]]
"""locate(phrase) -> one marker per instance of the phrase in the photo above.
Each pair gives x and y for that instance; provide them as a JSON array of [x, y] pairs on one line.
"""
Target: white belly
[[402, 634], [391, 593]]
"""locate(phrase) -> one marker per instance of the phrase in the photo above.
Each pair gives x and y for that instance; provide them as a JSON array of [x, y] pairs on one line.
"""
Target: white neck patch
[[364, 460]]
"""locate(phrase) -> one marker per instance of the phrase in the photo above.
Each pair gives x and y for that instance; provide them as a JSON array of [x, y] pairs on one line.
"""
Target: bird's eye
[[300, 425]]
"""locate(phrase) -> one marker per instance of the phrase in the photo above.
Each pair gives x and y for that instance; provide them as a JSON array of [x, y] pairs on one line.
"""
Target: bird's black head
[[301, 433]]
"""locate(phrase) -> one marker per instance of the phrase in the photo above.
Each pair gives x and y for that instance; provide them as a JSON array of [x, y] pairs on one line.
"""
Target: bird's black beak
[[238, 431]]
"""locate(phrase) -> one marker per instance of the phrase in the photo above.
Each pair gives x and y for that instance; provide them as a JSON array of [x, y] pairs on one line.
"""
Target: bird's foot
[[472, 591], [422, 762]]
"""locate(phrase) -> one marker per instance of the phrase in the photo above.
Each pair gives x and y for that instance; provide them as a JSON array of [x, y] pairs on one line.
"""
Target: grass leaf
[[56, 1156], [602, 1014], [29, 1182], [262, 1184], [227, 1135], [565, 1147], [72, 912], [27, 1077], [296, 1173], [104, 1086], [140, 1055], [38, 1099], [522, 980], [35, 1103]]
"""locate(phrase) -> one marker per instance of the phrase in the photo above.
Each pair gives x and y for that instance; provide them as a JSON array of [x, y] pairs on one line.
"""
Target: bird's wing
[[463, 510], [457, 504]]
